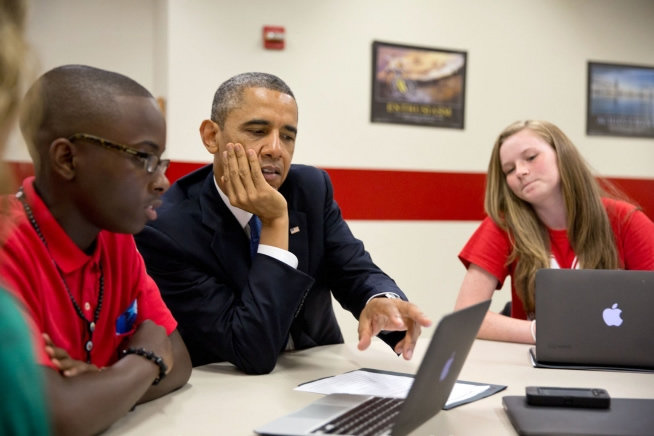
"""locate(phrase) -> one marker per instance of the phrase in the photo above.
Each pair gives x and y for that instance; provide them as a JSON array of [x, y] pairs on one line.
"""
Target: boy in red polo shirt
[[96, 139]]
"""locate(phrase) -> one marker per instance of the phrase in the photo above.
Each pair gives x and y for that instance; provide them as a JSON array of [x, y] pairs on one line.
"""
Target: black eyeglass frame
[[151, 161]]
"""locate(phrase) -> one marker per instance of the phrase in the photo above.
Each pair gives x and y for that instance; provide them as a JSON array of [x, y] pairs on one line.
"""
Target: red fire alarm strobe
[[273, 37]]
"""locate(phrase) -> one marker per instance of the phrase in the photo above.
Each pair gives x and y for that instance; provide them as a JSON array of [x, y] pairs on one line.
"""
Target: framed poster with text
[[620, 100], [418, 86]]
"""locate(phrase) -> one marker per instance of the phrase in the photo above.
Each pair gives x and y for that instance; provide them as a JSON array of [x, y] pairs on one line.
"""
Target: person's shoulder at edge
[[620, 209], [486, 227], [618, 204], [484, 246], [26, 408]]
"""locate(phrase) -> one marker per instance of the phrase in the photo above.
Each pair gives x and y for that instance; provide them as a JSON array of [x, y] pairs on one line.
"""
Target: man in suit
[[247, 307]]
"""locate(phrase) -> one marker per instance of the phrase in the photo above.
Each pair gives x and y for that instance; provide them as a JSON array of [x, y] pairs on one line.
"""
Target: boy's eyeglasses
[[151, 162]]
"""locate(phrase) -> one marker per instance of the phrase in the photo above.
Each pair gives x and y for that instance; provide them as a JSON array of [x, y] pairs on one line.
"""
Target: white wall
[[526, 59], [118, 35]]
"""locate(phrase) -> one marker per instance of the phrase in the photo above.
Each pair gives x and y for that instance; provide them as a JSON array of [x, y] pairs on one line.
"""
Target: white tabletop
[[220, 400]]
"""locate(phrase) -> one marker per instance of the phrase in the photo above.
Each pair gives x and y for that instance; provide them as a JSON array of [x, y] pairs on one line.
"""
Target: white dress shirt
[[243, 218]]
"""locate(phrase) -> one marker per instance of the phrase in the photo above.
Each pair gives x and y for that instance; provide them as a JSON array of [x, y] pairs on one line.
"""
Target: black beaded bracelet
[[150, 356]]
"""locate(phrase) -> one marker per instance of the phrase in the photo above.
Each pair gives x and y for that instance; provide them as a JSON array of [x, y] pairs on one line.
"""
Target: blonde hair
[[12, 66], [588, 226]]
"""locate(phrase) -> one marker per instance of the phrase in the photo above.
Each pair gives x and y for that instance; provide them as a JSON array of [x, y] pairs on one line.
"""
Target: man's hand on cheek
[[246, 187]]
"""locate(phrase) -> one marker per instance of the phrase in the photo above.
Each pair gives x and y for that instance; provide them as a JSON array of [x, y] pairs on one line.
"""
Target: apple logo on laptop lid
[[611, 316], [446, 367]]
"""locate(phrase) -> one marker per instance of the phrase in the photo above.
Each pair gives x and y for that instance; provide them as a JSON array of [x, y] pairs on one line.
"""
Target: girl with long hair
[[545, 210]]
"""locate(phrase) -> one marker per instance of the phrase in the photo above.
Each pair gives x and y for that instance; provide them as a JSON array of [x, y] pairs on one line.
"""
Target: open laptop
[[594, 319], [436, 376]]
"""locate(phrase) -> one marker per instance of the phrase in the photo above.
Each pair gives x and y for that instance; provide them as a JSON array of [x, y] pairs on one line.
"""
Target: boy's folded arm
[[177, 377], [91, 402]]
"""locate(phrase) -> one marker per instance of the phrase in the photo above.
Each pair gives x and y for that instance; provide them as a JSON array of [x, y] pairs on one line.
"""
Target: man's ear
[[62, 158], [209, 132]]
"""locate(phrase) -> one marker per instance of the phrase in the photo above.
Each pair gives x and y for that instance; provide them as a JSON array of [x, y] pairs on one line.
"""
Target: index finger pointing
[[411, 311]]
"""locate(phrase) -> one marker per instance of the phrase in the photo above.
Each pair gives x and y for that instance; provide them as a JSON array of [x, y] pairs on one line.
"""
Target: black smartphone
[[568, 397]]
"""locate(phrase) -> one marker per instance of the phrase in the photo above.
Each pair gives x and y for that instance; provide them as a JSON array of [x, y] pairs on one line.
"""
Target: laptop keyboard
[[373, 417]]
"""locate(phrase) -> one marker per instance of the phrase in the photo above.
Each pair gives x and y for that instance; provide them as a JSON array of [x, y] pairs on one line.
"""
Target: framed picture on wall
[[418, 85], [620, 100]]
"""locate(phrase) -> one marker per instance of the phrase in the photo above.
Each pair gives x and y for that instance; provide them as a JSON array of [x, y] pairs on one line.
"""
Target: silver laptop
[[436, 376], [595, 319]]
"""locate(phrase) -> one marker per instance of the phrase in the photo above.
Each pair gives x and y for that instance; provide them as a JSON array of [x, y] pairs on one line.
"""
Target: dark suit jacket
[[231, 308]]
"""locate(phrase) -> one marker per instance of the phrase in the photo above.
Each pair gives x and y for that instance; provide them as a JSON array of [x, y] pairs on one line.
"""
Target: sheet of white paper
[[464, 391], [362, 383], [386, 385]]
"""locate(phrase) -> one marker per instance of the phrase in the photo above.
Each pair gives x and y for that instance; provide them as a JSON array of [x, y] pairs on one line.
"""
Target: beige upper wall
[[526, 59], [117, 35]]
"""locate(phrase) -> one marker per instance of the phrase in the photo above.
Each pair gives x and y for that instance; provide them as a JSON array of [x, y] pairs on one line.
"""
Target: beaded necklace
[[90, 325]]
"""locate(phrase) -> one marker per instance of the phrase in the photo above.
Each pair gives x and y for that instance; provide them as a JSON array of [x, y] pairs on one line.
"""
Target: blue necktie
[[255, 233]]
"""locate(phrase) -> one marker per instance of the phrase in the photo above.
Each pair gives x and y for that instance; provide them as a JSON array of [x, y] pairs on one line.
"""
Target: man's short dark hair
[[67, 99], [229, 95]]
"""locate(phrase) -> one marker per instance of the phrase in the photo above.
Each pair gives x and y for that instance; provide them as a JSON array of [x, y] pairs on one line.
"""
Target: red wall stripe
[[179, 169], [408, 195]]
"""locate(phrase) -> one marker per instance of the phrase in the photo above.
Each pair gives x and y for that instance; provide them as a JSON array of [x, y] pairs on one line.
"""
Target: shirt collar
[[242, 216], [66, 254]]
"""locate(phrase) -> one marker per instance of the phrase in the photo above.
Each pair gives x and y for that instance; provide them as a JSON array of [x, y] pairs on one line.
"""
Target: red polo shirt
[[490, 247], [27, 268]]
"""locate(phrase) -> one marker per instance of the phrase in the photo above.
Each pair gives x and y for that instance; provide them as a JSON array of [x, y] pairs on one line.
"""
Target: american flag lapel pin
[[294, 230]]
